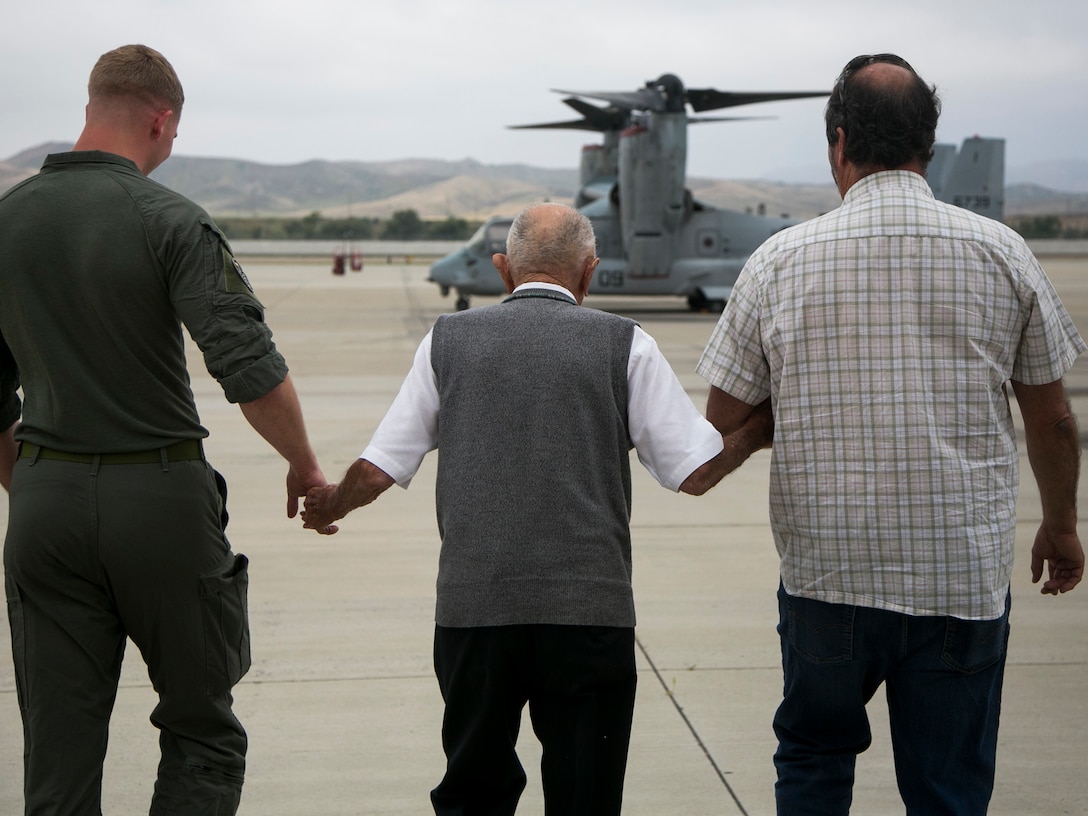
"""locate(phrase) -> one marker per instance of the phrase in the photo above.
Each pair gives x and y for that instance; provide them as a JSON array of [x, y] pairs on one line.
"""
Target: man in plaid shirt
[[884, 334]]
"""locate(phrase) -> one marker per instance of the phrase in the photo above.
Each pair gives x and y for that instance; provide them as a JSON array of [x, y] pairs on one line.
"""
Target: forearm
[[1053, 444], [361, 485], [277, 417], [1053, 447], [1054, 455], [757, 432], [728, 414]]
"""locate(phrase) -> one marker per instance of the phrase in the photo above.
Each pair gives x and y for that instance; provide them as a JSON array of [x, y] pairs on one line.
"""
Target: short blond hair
[[137, 72]]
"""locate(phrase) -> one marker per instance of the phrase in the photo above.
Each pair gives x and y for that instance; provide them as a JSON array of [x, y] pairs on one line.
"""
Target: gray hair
[[552, 238]]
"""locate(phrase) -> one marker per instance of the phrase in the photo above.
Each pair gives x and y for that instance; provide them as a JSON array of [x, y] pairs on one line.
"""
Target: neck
[[854, 174], [542, 277], [113, 142]]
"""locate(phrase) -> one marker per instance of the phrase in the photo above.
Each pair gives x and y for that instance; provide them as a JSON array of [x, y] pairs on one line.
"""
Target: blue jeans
[[942, 678]]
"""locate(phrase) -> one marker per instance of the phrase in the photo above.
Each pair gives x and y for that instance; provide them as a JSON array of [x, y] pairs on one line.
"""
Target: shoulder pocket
[[230, 276]]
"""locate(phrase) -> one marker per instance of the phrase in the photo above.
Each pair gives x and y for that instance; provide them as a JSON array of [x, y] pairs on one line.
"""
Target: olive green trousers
[[98, 553]]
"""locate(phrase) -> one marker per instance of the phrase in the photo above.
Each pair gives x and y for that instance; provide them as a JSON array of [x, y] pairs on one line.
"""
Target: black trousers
[[95, 554], [579, 682]]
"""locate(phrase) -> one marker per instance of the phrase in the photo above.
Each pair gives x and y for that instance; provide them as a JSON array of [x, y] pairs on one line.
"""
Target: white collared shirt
[[670, 436]]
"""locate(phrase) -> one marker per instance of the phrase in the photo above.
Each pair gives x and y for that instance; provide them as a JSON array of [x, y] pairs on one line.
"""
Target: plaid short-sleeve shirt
[[884, 333]]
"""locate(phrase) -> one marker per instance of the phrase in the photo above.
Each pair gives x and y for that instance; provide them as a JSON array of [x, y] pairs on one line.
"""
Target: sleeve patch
[[236, 281]]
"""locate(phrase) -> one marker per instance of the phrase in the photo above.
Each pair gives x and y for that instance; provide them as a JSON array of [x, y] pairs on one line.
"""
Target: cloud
[[283, 82]]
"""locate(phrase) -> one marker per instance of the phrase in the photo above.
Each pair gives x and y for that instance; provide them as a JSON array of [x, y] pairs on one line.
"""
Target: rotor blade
[[695, 120], [702, 99], [642, 99], [574, 124], [602, 118], [597, 119]]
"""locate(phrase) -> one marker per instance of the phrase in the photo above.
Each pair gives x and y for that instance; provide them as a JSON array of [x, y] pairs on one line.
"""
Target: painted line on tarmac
[[691, 728]]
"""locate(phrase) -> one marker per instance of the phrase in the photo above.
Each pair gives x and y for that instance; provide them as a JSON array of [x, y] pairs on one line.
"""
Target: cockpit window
[[495, 235], [491, 237], [477, 239]]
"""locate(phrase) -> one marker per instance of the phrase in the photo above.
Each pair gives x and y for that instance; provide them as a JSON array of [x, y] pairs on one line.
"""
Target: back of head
[[550, 239], [888, 113], [136, 73]]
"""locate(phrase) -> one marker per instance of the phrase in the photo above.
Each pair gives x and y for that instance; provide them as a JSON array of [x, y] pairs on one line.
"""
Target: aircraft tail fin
[[973, 177]]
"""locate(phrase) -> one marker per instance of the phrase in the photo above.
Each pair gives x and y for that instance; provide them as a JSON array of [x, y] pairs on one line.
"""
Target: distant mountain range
[[470, 189]]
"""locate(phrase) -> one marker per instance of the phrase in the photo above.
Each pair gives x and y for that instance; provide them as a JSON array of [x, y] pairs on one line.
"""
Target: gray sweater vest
[[534, 477]]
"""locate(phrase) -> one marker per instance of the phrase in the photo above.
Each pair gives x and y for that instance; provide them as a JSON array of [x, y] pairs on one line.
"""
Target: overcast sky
[[285, 81]]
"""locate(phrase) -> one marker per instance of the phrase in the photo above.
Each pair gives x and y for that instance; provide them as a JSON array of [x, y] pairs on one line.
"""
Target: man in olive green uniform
[[116, 521]]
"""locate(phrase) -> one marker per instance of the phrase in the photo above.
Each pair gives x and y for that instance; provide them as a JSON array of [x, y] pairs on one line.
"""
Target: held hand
[[298, 484], [318, 510], [362, 484], [1065, 560]]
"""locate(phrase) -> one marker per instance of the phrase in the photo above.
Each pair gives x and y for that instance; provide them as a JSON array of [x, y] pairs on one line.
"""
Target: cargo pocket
[[18, 641], [224, 593]]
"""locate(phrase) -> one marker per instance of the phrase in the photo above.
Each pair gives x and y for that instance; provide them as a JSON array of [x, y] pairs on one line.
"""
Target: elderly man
[[885, 334], [116, 522], [534, 405]]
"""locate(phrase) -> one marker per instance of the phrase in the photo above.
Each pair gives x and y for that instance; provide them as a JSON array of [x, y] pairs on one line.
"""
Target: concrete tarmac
[[341, 705]]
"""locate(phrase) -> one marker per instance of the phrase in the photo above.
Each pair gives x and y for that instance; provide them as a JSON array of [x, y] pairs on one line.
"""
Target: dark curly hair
[[888, 124]]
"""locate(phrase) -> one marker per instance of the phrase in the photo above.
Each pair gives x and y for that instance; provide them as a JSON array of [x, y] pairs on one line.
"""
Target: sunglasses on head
[[869, 59]]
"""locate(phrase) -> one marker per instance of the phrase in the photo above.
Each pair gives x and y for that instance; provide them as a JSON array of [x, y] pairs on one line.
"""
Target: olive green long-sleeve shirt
[[100, 268]]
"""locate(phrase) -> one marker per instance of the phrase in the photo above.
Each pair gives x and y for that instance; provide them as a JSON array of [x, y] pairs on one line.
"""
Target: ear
[[158, 124], [502, 263], [838, 150], [836, 155], [587, 277]]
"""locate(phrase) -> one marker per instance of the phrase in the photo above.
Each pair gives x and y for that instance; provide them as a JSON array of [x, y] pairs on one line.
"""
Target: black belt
[[186, 450]]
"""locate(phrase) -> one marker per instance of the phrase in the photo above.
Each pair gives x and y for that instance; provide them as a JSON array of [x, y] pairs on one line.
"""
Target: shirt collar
[[88, 157], [875, 183], [552, 287]]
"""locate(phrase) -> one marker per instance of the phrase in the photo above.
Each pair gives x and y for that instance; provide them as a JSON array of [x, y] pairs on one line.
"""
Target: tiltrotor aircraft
[[653, 236]]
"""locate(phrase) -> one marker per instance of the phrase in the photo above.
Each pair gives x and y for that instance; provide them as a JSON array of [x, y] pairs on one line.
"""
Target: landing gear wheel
[[697, 301], [462, 303]]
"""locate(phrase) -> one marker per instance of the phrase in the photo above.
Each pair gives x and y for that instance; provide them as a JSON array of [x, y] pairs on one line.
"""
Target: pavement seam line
[[691, 727]]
